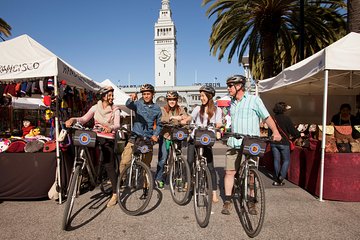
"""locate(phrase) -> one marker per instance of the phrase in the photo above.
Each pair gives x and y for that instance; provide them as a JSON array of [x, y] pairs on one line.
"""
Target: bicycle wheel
[[71, 198], [251, 200], [179, 180], [203, 196], [105, 184], [134, 188]]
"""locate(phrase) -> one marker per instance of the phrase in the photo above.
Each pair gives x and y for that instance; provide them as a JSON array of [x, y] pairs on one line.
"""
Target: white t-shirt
[[216, 118]]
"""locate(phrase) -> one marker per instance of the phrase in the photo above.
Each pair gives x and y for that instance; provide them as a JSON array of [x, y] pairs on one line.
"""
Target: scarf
[[104, 116]]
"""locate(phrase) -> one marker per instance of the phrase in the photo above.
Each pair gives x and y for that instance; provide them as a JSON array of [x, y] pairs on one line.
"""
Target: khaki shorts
[[231, 162]]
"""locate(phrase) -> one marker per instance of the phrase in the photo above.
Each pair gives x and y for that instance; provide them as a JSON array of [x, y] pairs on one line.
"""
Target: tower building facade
[[165, 47]]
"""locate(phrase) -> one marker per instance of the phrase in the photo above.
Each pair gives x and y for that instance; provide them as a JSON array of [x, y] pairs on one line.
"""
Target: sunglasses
[[230, 85]]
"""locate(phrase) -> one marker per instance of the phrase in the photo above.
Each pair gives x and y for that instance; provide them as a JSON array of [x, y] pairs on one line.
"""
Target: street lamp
[[246, 66]]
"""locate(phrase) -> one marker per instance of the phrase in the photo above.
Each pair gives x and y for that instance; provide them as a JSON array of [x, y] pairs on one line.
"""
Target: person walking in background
[[170, 113], [246, 112], [147, 123], [107, 118], [203, 116], [281, 150]]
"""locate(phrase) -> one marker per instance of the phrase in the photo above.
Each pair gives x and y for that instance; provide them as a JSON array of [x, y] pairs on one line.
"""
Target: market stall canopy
[[24, 58], [27, 103], [342, 58]]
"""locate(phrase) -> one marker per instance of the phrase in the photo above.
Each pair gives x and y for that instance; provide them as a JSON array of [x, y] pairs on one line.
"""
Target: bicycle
[[176, 167], [201, 177], [135, 183], [83, 168], [249, 190]]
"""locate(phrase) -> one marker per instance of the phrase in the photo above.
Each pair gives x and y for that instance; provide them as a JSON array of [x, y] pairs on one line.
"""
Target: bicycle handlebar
[[241, 136]]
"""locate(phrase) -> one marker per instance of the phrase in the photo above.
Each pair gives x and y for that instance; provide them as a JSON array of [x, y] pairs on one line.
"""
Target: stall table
[[26, 175], [341, 173]]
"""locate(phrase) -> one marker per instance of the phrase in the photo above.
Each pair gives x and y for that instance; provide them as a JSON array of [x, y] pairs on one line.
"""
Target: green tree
[[5, 29], [353, 15], [269, 30]]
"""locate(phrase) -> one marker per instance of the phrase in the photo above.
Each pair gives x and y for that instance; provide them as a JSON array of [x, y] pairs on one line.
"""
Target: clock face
[[164, 55]]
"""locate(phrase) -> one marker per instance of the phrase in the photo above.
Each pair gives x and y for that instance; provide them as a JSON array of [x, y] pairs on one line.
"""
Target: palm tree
[[270, 31], [353, 15], [4, 29]]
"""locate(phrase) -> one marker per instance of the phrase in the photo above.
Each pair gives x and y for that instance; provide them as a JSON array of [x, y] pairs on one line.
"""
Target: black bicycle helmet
[[147, 88], [172, 95], [105, 90], [236, 79], [208, 89]]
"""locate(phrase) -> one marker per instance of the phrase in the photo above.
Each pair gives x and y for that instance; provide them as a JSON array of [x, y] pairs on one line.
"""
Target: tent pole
[[326, 80], [57, 137]]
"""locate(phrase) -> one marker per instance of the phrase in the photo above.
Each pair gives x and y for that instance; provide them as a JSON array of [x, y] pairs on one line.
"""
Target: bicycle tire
[[203, 196], [105, 184], [251, 223], [180, 180], [128, 190], [69, 204]]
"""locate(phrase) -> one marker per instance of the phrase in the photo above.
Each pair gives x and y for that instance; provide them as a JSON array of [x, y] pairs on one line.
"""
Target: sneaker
[[112, 201], [159, 184], [226, 208], [276, 183], [252, 208], [145, 194]]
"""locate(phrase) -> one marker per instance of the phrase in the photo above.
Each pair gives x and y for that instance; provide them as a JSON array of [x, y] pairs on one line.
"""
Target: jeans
[[163, 154], [280, 151], [209, 159]]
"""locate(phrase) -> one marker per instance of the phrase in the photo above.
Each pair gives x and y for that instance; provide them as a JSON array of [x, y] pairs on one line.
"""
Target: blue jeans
[[280, 152], [163, 154]]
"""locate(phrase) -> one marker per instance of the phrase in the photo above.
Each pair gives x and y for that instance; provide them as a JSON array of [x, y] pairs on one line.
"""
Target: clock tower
[[165, 47]]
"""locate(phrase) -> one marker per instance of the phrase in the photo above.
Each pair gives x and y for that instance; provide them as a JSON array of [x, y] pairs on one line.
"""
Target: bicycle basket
[[84, 138], [179, 134], [142, 146], [254, 146], [204, 138]]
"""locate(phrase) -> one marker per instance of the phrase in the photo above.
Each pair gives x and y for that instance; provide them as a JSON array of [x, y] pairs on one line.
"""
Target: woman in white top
[[203, 116]]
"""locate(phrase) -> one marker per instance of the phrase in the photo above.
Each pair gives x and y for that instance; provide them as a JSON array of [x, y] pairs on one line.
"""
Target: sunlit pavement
[[291, 213]]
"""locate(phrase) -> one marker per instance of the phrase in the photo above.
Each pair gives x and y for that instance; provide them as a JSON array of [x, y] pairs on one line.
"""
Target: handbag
[[355, 146], [356, 132], [330, 145], [120, 141], [343, 133], [343, 146], [204, 138], [84, 138], [254, 146], [291, 143], [49, 146], [329, 131]]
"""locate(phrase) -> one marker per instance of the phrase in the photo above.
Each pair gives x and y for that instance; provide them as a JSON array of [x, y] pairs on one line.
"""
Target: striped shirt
[[245, 117]]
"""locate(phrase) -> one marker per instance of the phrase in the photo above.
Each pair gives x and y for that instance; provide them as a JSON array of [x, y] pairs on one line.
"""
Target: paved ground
[[291, 213]]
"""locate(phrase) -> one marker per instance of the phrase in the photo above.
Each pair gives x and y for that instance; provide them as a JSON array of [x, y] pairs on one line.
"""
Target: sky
[[114, 39]]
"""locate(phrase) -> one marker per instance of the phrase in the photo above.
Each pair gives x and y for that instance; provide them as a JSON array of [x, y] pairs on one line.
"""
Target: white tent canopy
[[333, 71], [307, 76], [23, 58], [120, 97]]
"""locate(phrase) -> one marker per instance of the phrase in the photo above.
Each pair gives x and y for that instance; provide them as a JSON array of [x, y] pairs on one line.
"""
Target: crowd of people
[[247, 112]]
